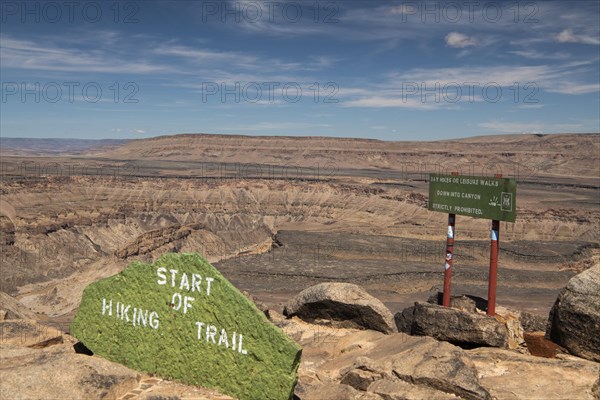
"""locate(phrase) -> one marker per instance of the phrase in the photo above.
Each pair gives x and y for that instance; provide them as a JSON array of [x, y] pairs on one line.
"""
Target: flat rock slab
[[344, 304], [28, 333], [54, 373], [179, 318]]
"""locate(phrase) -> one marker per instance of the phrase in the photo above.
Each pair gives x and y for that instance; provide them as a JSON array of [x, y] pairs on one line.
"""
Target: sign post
[[493, 268], [478, 197], [449, 256]]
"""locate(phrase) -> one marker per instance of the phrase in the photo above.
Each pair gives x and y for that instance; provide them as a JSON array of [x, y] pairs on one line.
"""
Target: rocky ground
[[277, 215], [337, 363]]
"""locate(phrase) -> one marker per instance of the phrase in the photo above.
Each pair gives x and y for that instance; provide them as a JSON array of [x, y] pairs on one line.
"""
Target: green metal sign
[[474, 196]]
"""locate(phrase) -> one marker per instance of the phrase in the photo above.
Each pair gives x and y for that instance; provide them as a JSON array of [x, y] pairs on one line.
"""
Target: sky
[[392, 70]]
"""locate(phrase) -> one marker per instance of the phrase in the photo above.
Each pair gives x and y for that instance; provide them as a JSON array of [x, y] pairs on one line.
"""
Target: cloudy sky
[[390, 70]]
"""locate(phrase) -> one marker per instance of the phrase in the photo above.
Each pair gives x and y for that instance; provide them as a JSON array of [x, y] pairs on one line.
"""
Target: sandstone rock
[[458, 326], [55, 373], [539, 346], [510, 375], [28, 333], [344, 304], [180, 318], [575, 317], [13, 308]]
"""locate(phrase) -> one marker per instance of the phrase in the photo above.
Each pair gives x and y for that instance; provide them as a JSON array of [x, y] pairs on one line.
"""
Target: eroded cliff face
[[67, 232], [280, 214]]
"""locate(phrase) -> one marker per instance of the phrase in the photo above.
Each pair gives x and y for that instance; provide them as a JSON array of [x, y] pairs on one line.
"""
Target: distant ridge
[[56, 146]]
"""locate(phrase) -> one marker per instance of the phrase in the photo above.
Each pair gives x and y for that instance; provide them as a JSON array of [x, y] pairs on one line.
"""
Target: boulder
[[575, 317], [343, 305], [458, 327], [179, 318]]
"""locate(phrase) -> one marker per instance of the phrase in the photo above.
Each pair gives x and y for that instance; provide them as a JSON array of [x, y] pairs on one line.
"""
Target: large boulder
[[457, 326], [180, 318], [575, 317], [343, 305]]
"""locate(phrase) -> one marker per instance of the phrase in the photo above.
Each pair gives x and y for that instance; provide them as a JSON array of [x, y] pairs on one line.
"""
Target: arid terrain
[[276, 215]]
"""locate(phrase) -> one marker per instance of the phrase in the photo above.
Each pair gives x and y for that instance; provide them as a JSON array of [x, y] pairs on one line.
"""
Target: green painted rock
[[179, 318]]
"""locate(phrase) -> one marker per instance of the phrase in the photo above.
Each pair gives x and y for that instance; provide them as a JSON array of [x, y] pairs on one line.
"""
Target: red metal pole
[[491, 311], [449, 255]]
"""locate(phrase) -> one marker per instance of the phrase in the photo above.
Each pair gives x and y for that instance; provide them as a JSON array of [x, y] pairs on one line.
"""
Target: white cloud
[[537, 55], [28, 54], [567, 36], [436, 88], [138, 131], [557, 78], [395, 102], [459, 40]]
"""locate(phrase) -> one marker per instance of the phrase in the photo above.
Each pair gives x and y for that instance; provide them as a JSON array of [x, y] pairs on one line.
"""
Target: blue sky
[[394, 70]]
